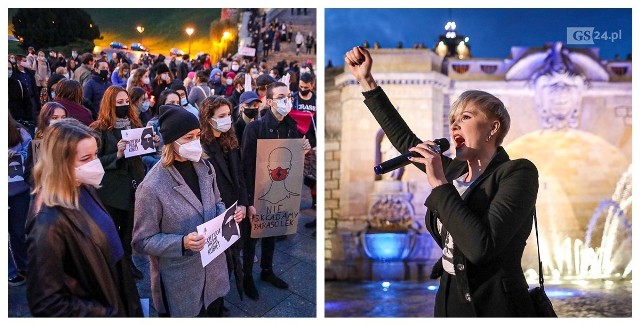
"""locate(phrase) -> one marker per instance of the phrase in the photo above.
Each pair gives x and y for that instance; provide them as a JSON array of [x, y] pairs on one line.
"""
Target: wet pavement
[[416, 299], [294, 262]]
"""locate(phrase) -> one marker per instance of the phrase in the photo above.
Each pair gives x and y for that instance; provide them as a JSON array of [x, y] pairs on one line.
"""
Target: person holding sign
[[275, 124], [76, 262], [122, 175], [223, 150], [177, 195]]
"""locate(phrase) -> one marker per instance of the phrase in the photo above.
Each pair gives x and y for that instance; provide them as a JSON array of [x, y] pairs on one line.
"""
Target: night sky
[[491, 32]]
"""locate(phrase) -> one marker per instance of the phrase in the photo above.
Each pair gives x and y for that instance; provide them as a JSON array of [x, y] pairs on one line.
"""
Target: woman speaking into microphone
[[481, 208]]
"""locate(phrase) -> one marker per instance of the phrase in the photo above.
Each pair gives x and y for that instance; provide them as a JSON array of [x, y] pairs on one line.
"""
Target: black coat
[[489, 223], [19, 101], [71, 271], [122, 176], [229, 173]]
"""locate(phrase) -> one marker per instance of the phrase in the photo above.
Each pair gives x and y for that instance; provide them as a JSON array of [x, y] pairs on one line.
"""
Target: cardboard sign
[[219, 233], [139, 141], [35, 150], [279, 166], [247, 51]]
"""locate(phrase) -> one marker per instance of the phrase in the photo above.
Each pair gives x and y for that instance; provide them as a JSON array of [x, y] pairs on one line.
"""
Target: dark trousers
[[18, 208], [249, 249], [213, 310], [123, 220]]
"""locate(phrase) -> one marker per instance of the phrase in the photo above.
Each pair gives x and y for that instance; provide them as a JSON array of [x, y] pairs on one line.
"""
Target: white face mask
[[164, 76], [90, 173], [191, 150], [25, 64], [234, 67], [146, 80], [221, 124], [145, 106], [183, 102], [229, 82], [284, 106]]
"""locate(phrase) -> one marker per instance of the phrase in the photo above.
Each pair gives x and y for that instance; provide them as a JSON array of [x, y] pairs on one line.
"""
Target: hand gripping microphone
[[441, 146]]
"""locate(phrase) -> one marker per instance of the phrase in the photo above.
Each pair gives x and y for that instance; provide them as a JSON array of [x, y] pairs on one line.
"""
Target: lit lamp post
[[189, 32], [140, 29]]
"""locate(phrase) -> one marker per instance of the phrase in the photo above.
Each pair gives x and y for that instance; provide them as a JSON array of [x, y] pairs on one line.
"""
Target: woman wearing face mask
[[120, 75], [176, 196], [42, 71], [222, 148], [170, 97], [71, 68], [218, 86], [75, 260], [140, 104], [52, 83], [229, 82], [162, 80], [184, 103], [140, 78], [122, 175]]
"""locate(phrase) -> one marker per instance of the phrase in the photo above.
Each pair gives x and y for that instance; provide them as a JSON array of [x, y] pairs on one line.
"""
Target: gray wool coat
[[166, 210]]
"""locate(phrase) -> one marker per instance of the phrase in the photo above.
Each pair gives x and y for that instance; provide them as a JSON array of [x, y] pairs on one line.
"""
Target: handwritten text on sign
[[219, 233], [139, 141]]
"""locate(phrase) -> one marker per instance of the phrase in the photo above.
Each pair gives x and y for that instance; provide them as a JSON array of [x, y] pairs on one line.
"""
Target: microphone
[[441, 146]]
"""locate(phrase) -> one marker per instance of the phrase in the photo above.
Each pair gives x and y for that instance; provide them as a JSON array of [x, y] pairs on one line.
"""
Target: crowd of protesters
[[80, 208]]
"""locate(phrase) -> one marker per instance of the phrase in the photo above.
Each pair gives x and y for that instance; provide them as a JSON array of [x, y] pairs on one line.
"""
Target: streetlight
[[189, 32], [140, 29]]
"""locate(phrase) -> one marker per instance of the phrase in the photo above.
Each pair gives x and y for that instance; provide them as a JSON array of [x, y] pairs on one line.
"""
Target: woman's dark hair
[[227, 140], [162, 99], [136, 93], [15, 137]]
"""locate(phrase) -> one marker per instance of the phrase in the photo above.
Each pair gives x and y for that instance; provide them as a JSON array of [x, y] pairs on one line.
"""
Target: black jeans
[[249, 249], [18, 208]]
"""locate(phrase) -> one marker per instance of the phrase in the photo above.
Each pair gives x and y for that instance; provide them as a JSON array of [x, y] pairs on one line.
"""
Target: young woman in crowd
[[140, 104], [69, 94], [122, 175], [176, 196], [76, 262]]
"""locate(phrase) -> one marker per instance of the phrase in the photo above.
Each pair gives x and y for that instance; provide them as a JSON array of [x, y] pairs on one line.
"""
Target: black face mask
[[104, 74], [251, 112], [305, 92], [122, 111]]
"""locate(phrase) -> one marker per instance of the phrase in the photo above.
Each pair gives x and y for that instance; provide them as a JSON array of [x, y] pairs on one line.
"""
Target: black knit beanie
[[162, 68], [175, 122]]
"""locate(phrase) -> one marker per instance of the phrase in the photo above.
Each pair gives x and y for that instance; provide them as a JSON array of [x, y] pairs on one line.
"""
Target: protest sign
[[139, 141], [279, 166], [219, 233], [35, 150]]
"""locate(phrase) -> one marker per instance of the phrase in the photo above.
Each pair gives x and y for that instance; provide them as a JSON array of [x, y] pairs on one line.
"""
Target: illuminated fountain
[[604, 253]]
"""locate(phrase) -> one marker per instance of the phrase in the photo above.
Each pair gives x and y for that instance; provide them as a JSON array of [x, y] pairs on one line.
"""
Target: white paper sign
[[247, 51], [247, 82], [140, 141], [219, 233]]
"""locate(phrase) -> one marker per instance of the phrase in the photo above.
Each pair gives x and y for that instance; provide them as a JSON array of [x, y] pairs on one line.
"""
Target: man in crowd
[[83, 73]]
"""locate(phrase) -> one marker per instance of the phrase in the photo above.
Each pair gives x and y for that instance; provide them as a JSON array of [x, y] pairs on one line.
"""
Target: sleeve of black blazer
[[483, 235], [249, 147], [394, 126]]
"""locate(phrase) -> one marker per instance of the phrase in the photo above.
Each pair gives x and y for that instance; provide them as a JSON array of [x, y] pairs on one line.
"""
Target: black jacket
[[19, 101], [489, 224], [122, 176], [268, 127], [229, 173], [71, 271]]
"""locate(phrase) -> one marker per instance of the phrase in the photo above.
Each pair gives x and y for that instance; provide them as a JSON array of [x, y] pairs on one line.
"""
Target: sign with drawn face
[[279, 167], [139, 141], [219, 233], [35, 150]]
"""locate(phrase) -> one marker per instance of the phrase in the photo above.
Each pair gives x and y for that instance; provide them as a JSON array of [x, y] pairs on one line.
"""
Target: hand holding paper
[[286, 79]]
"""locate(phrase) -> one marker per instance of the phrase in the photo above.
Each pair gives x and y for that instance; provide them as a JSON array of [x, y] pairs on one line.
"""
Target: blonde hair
[[488, 104], [168, 155], [54, 173]]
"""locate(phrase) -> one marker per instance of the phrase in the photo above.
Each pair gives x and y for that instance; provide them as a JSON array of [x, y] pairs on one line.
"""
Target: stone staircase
[[302, 23]]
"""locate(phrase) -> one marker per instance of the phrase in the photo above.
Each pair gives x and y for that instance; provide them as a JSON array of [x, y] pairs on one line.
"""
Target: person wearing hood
[[229, 82], [122, 175], [95, 87], [177, 195], [216, 82]]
